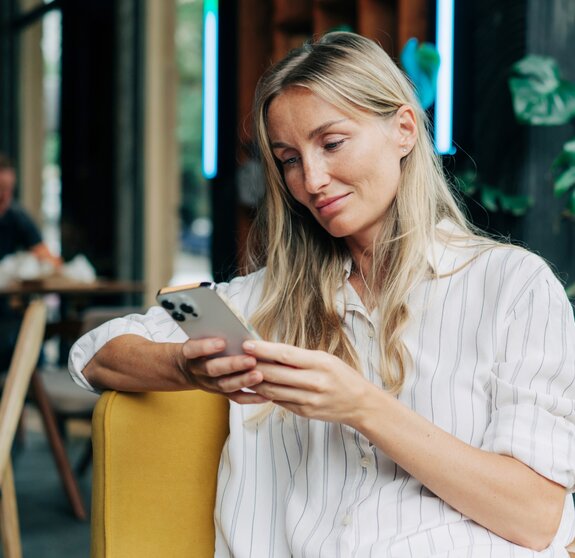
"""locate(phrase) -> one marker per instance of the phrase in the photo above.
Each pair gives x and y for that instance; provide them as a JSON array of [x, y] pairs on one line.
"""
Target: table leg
[[57, 445]]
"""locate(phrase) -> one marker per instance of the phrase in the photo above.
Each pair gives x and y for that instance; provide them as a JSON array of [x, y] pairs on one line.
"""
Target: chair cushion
[[66, 396]]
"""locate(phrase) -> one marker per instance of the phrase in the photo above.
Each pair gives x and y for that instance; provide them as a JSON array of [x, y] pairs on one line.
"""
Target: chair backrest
[[156, 459], [94, 316], [22, 365]]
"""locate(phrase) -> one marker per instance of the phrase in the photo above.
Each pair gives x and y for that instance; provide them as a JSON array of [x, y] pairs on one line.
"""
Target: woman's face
[[345, 170]]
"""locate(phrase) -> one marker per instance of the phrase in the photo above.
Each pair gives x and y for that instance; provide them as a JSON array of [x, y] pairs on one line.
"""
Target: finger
[[286, 394], [282, 353], [200, 348], [236, 382], [300, 378], [224, 366], [244, 398]]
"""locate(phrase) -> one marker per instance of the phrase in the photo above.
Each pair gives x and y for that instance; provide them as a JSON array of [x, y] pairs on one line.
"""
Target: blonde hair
[[305, 266]]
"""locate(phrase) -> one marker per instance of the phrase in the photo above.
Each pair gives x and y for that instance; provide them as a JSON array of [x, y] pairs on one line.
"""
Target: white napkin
[[79, 269], [23, 266]]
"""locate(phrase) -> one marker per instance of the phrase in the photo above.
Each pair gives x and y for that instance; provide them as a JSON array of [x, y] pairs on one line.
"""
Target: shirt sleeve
[[533, 380], [155, 325], [28, 233]]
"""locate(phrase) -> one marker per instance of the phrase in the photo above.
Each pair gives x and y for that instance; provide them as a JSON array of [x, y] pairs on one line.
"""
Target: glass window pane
[[51, 185], [39, 102], [193, 258]]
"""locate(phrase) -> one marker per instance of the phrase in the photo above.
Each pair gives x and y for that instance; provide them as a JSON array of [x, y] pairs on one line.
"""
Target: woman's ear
[[406, 128]]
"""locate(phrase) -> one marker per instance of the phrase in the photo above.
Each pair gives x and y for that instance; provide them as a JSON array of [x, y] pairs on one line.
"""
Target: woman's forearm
[[134, 363], [496, 491]]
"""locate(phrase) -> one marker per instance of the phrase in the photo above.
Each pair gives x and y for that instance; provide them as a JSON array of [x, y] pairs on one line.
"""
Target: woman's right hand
[[227, 375], [134, 363]]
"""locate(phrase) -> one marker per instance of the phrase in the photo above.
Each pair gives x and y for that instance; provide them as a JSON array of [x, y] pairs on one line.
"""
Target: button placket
[[346, 520], [365, 462]]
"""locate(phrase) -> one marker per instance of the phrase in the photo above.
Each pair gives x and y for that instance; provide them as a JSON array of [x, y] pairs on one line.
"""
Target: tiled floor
[[48, 527]]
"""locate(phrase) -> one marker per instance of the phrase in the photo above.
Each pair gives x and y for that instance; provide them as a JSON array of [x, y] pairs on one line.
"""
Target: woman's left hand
[[312, 384]]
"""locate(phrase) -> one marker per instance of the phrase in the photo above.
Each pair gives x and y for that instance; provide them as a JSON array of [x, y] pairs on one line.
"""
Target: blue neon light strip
[[444, 97], [210, 91]]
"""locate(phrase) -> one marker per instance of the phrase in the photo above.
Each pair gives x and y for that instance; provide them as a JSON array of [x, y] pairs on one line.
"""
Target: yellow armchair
[[156, 459]]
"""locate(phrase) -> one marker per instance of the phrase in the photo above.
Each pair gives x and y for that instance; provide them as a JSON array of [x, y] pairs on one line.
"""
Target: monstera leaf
[[421, 64], [540, 96], [564, 172]]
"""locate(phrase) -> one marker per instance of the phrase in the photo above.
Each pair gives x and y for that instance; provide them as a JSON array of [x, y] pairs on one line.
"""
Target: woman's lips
[[330, 205]]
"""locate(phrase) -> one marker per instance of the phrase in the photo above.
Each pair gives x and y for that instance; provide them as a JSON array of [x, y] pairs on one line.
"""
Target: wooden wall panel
[[412, 18], [255, 54], [377, 20], [329, 14]]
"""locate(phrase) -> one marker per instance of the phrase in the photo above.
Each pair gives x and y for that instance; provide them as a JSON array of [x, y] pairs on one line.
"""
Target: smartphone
[[203, 312]]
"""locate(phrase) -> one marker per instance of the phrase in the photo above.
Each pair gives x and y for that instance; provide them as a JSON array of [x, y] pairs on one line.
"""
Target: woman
[[421, 402]]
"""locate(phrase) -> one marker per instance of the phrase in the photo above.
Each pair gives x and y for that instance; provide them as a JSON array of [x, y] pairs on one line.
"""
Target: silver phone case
[[203, 312]]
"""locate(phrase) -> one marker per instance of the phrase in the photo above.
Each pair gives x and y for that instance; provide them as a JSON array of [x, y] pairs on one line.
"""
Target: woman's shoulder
[[518, 262], [461, 246], [499, 263], [519, 274]]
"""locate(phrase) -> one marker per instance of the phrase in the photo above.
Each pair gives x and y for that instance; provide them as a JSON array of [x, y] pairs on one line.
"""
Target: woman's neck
[[360, 268]]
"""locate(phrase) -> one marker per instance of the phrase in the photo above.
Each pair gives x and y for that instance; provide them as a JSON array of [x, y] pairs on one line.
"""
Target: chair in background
[[156, 459], [59, 400], [68, 400], [14, 392]]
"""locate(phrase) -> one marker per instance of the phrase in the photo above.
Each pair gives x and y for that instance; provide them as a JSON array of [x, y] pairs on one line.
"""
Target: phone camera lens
[[168, 305], [179, 317], [188, 309]]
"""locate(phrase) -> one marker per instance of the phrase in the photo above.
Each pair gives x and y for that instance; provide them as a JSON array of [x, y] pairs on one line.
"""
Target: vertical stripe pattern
[[493, 364]]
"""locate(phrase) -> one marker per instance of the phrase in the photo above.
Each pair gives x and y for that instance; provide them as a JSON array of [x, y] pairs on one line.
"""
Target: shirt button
[[371, 331], [346, 520], [365, 462]]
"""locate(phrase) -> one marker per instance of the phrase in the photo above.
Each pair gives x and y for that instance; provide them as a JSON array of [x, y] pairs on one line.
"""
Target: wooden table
[[71, 294], [68, 287], [67, 325]]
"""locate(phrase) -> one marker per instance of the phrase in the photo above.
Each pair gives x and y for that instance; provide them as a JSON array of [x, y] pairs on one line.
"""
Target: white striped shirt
[[493, 364]]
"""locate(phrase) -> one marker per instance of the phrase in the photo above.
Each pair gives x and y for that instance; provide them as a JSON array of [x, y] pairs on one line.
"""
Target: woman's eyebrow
[[315, 132], [321, 129]]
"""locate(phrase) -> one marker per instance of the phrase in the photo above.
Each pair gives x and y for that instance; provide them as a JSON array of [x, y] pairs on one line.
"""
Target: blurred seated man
[[18, 232]]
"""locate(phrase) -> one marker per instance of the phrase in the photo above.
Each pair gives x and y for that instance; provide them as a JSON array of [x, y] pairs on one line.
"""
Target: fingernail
[[218, 344], [248, 345]]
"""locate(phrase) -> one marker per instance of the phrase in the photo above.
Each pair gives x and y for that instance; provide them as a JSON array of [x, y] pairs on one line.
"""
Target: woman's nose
[[316, 176]]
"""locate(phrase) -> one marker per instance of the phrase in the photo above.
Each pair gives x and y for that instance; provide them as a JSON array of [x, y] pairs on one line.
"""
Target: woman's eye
[[332, 145], [290, 162]]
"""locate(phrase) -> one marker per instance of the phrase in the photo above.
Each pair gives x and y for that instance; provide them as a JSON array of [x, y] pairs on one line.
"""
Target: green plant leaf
[[570, 290], [421, 63], [564, 182], [516, 205], [540, 96], [564, 169], [489, 197], [465, 182], [572, 203]]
